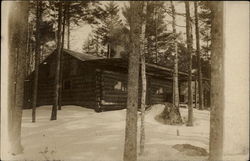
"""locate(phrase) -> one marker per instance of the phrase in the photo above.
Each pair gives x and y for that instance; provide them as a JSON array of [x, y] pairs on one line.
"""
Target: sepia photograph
[[124, 80]]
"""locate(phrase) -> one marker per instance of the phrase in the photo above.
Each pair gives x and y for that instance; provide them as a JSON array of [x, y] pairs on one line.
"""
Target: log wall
[[93, 86], [80, 78], [114, 90]]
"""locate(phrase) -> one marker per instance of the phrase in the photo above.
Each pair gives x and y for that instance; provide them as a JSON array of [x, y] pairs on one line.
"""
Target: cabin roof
[[123, 63], [153, 69], [81, 56]]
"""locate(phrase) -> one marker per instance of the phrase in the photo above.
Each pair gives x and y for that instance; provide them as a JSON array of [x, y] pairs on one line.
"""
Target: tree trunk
[[37, 58], [130, 147], [97, 45], [195, 94], [61, 61], [30, 51], [27, 47], [68, 24], [143, 78], [109, 50], [189, 48], [156, 17], [217, 83], [171, 114], [17, 36], [197, 33], [58, 65], [175, 75]]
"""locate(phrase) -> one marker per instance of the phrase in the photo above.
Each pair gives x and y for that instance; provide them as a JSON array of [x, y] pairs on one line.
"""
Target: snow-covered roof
[[81, 56]]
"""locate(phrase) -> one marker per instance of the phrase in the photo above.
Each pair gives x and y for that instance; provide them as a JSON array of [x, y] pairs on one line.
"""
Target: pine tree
[[58, 65], [156, 32], [68, 23], [143, 78], [189, 48], [197, 33], [108, 25], [130, 147], [92, 45], [171, 114], [17, 41], [37, 58], [61, 61], [217, 83], [175, 78], [46, 29], [157, 35], [81, 11]]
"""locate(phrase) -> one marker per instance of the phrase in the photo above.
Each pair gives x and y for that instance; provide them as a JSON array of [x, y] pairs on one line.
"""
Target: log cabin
[[97, 82]]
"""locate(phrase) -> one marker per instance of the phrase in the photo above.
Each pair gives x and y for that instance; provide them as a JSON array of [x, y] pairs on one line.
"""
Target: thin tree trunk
[[27, 48], [68, 24], [156, 15], [195, 94], [189, 47], [108, 55], [197, 33], [58, 65], [171, 113], [30, 58], [143, 78], [97, 45], [17, 36], [37, 59], [175, 75], [61, 61], [217, 83], [130, 147]]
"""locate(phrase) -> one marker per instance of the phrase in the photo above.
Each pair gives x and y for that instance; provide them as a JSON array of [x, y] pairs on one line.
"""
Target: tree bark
[[171, 113], [61, 61], [195, 94], [17, 36], [109, 50], [189, 48], [130, 147], [143, 78], [30, 50], [175, 74], [37, 59], [156, 17], [197, 33], [27, 47], [58, 65], [217, 83], [68, 24]]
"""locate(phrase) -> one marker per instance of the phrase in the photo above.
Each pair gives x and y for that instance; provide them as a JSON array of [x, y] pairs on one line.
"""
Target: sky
[[80, 34]]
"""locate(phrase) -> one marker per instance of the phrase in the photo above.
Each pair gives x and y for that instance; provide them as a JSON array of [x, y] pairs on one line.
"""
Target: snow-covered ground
[[82, 134]]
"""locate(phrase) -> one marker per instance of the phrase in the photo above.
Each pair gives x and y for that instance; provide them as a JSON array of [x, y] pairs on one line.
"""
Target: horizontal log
[[115, 77], [161, 83], [114, 96], [115, 92], [106, 72]]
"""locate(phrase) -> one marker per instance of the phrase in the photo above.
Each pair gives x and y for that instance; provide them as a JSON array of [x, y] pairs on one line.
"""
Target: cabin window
[[67, 84], [160, 91], [120, 86], [124, 87]]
